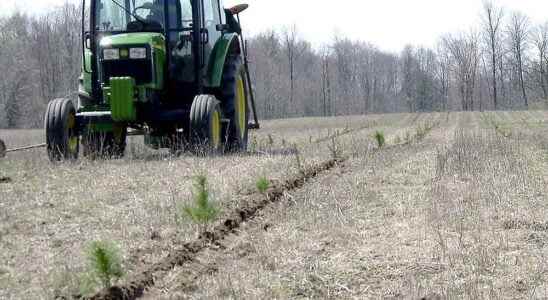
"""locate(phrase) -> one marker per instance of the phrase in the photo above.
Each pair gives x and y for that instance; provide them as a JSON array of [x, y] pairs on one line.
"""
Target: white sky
[[389, 24]]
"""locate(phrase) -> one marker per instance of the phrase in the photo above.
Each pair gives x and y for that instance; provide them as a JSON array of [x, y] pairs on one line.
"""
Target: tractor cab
[[131, 33], [174, 71]]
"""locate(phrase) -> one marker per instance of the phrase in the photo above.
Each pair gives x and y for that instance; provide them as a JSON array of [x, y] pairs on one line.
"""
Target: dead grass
[[427, 219], [50, 213], [458, 213]]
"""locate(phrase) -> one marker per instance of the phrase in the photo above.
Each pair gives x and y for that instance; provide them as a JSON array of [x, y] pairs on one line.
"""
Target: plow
[[4, 150]]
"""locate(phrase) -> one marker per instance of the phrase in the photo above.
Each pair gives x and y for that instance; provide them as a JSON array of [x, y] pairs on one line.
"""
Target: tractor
[[173, 71]]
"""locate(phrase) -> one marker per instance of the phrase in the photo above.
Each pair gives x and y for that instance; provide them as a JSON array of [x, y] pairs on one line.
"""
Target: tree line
[[500, 63]]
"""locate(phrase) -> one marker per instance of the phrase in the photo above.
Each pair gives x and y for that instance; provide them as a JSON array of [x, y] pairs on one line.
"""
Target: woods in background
[[502, 63]]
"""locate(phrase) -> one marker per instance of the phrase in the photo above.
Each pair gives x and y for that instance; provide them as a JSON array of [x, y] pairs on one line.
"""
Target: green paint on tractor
[[218, 59], [121, 96]]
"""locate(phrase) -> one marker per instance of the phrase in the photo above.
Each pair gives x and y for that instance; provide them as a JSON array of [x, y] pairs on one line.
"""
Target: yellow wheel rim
[[216, 130], [73, 144], [241, 106], [71, 121], [73, 139]]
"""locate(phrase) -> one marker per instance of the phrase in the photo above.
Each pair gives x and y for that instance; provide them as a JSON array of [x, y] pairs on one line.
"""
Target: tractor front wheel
[[206, 124], [62, 139]]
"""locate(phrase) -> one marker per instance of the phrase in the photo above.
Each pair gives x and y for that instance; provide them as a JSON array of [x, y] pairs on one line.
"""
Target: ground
[[452, 206]]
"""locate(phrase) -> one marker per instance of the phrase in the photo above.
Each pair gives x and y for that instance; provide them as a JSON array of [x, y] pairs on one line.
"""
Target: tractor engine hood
[[154, 40], [140, 56]]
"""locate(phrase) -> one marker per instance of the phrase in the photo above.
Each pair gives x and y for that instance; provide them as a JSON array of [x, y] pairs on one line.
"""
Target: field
[[453, 205]]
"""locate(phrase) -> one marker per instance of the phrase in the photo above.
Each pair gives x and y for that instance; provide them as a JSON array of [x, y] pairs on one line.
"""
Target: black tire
[[237, 133], [62, 139], [206, 125], [106, 145]]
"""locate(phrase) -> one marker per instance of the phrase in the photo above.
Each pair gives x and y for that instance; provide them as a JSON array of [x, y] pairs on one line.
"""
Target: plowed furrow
[[254, 203]]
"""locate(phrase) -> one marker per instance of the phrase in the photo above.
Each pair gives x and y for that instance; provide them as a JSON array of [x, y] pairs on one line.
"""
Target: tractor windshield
[[115, 15]]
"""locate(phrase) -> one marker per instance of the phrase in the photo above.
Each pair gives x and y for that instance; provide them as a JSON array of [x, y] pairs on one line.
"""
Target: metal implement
[[236, 10], [4, 150]]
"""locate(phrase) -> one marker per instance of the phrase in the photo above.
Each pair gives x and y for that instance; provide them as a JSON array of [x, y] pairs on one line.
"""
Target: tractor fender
[[225, 45]]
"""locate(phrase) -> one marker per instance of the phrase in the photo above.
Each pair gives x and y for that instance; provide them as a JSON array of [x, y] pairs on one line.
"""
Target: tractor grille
[[139, 69]]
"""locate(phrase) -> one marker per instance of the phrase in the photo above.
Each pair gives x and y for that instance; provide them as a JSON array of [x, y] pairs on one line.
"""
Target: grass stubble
[[50, 213], [460, 214], [455, 211]]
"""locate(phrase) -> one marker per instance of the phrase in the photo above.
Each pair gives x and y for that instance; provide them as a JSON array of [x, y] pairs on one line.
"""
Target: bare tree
[[540, 40], [492, 20], [464, 51], [326, 82], [518, 34], [40, 59], [443, 76], [291, 45]]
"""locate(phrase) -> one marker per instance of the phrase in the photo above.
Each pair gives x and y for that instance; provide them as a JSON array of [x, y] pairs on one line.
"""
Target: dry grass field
[[453, 206]]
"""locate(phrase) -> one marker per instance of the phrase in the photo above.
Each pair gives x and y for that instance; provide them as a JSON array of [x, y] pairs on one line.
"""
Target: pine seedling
[[204, 210], [262, 185], [253, 146], [104, 262], [379, 137]]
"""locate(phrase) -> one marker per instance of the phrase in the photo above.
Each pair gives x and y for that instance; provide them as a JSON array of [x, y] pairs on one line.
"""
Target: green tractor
[[174, 71]]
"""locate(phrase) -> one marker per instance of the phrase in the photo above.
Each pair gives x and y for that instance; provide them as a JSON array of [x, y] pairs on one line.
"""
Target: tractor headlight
[[111, 54], [138, 53]]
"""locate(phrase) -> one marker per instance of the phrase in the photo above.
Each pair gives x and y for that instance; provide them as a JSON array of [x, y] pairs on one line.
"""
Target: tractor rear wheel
[[62, 139], [235, 104], [106, 144], [206, 124]]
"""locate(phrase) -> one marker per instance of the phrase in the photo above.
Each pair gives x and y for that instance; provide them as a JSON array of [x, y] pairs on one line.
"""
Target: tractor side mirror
[[236, 10]]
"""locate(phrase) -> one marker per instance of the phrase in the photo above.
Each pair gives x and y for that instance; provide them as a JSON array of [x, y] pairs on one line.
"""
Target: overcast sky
[[390, 24]]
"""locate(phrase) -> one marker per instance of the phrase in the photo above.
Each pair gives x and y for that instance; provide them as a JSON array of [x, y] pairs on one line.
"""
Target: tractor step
[[94, 114]]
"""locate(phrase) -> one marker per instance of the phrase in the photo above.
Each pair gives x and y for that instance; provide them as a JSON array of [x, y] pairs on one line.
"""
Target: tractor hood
[[146, 68], [155, 40]]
